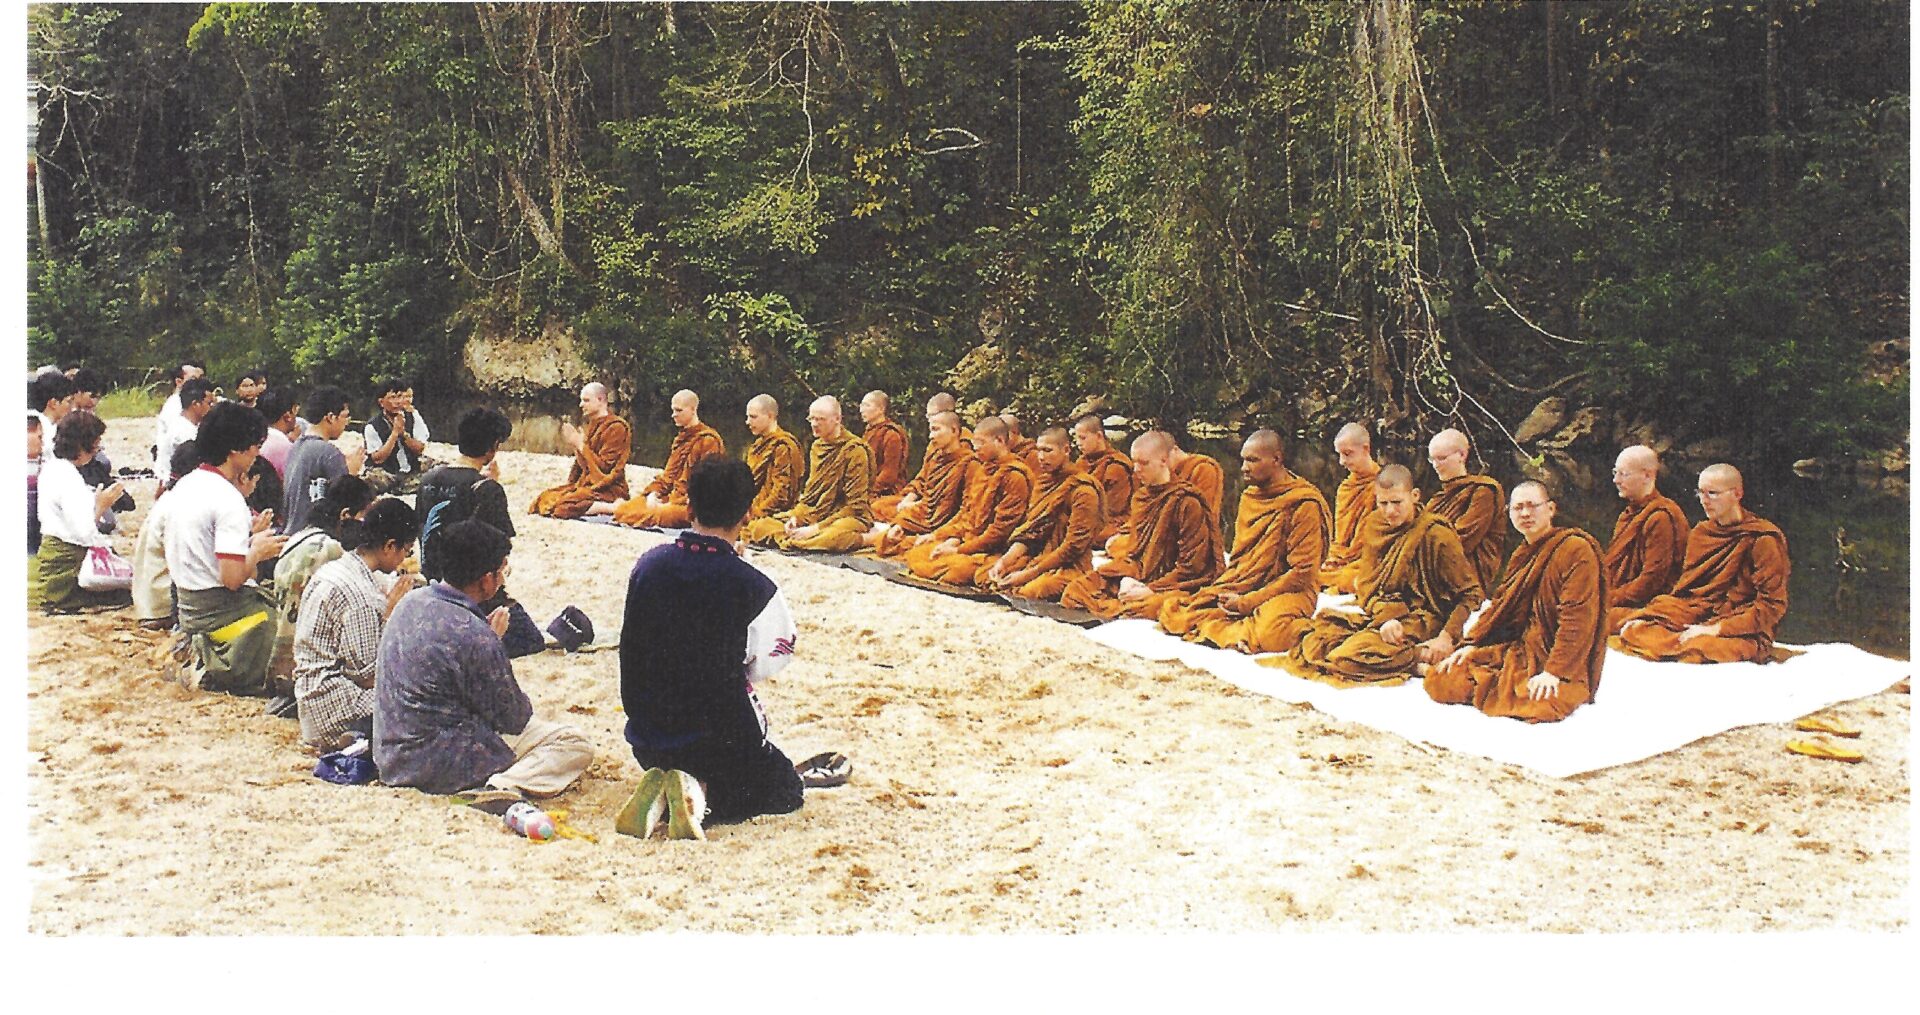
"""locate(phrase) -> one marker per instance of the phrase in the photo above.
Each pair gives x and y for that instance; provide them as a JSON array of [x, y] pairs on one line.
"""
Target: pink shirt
[[276, 449]]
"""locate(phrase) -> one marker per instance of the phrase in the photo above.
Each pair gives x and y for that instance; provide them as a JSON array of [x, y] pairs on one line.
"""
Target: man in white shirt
[[180, 374], [196, 400], [395, 438], [50, 397]]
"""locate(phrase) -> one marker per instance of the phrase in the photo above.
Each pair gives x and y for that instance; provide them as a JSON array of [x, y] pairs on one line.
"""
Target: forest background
[[1694, 214]]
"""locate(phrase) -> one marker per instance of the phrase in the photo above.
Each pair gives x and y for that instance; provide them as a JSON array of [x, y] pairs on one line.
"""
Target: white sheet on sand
[[1643, 708]]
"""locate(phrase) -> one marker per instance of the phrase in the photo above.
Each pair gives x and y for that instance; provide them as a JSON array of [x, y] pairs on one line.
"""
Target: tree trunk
[[1774, 182]]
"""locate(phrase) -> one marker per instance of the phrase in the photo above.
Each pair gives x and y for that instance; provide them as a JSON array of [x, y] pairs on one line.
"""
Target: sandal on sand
[[1825, 724], [825, 770], [646, 809], [686, 806], [1822, 749]]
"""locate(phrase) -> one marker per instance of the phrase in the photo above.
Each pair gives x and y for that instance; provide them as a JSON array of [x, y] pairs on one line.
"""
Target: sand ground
[[1009, 776]]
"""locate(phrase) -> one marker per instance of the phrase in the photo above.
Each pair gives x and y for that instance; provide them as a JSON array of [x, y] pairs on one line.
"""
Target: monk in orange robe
[[1732, 591], [1352, 506], [942, 401], [1535, 653], [835, 504], [599, 472], [1414, 600], [1474, 504], [1264, 600], [1054, 545], [663, 504], [1019, 442], [1111, 469], [1649, 538], [1198, 471], [996, 502], [888, 440], [1176, 547], [774, 458], [934, 497]]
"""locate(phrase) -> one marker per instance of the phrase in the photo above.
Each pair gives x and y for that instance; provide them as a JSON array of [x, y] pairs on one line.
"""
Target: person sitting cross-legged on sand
[[470, 485], [338, 640], [1536, 652], [396, 440], [1196, 470], [942, 401], [1732, 592], [774, 457], [1352, 506], [888, 441], [1649, 544], [932, 499], [836, 504], [69, 512], [663, 504], [1054, 544], [1111, 469], [1472, 502], [600, 452], [994, 504], [1176, 547], [702, 628], [448, 715], [317, 544]]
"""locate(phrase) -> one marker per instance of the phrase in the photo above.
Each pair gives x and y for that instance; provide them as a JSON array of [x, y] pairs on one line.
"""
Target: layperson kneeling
[[69, 512], [337, 643]]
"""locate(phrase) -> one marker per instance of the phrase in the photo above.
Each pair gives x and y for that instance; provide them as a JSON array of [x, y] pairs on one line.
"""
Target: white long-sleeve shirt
[[67, 505]]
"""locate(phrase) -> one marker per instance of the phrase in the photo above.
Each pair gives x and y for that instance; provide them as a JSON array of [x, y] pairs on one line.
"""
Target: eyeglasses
[[1704, 492]]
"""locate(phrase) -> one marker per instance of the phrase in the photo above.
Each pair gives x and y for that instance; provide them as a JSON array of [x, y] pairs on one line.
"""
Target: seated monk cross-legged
[[996, 501], [1732, 592], [1352, 506], [835, 505], [1111, 469], [663, 504], [1019, 442], [933, 498], [1413, 604], [1649, 542], [1198, 471], [1054, 544], [599, 473], [1264, 600], [1176, 544], [1473, 503], [942, 401], [774, 458], [888, 440], [1535, 654]]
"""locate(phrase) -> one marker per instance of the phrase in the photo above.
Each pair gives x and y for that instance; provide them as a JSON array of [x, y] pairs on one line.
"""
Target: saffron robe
[[1114, 472], [937, 492], [1644, 558], [1024, 449], [776, 463], [690, 445], [888, 441], [1419, 576], [1058, 534], [995, 504], [599, 471], [1198, 471], [837, 498], [1280, 538], [1549, 615], [936, 469], [1177, 550], [1477, 507], [1353, 504], [1735, 576]]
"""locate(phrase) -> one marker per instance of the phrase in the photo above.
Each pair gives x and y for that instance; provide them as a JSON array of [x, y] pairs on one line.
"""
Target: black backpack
[[457, 508]]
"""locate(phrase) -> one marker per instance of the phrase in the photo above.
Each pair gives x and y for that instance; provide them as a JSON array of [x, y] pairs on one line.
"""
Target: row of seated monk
[[993, 508]]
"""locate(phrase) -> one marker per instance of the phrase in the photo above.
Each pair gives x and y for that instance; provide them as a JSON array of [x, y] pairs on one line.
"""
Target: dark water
[[1868, 607]]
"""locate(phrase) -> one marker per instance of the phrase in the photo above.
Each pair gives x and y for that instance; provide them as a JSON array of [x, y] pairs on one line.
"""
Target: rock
[[1089, 404], [511, 365], [1895, 461], [1707, 452], [1810, 466], [979, 365], [1205, 431], [1543, 420], [1641, 431], [1580, 429]]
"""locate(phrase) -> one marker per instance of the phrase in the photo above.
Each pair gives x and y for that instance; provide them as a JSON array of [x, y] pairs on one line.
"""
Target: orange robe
[[1198, 471], [776, 463], [889, 443], [837, 498], [1477, 507], [1024, 449], [690, 445], [1549, 615], [1419, 576], [1177, 550], [937, 491], [1114, 472], [1352, 506], [1279, 540], [995, 504], [599, 471], [1058, 534], [934, 470], [1648, 548], [1735, 576]]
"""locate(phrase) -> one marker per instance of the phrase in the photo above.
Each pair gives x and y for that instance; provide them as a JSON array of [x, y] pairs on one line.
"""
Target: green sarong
[[53, 578], [230, 638]]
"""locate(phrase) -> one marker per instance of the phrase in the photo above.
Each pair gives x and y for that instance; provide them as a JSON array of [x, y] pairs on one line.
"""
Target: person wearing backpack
[[470, 490]]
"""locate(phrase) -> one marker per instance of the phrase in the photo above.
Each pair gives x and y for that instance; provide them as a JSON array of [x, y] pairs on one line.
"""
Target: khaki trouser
[[548, 758]]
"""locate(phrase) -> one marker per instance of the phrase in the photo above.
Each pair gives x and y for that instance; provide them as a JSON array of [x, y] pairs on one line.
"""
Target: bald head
[[763, 415], [990, 439], [1152, 458], [1636, 472], [1014, 432], [1530, 508], [824, 417], [1050, 449], [940, 402], [874, 405], [1354, 446], [1394, 495], [764, 403], [1721, 489], [685, 409], [1090, 434], [1394, 477], [943, 429], [593, 400], [1447, 453]]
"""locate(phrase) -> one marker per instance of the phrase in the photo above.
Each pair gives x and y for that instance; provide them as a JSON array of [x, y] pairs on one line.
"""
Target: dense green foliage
[[1408, 212]]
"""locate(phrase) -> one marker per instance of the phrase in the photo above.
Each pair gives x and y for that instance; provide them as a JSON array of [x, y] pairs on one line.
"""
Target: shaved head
[[1721, 489], [685, 409], [1090, 433], [873, 406], [1354, 447], [1268, 441], [1154, 442], [1050, 449], [764, 403], [950, 420], [1531, 488], [594, 389], [1261, 458], [1354, 434], [687, 398], [1394, 477], [940, 402], [1724, 473], [1530, 507], [1448, 439], [1152, 458], [763, 415], [1013, 424], [1447, 453], [1395, 496], [880, 397], [593, 400], [826, 404], [824, 417], [991, 428], [1636, 472]]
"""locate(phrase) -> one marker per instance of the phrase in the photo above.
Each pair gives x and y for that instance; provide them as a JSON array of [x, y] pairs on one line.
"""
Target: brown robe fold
[[1477, 507], [836, 497], [1352, 506], [1024, 450], [1058, 534], [889, 443], [995, 504], [1198, 471], [775, 460], [1114, 472], [1735, 576], [938, 492], [1549, 615], [599, 471], [1645, 556], [1280, 538], [690, 445], [1177, 550]]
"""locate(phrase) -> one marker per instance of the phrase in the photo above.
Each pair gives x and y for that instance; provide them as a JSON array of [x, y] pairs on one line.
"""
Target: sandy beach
[[1009, 776]]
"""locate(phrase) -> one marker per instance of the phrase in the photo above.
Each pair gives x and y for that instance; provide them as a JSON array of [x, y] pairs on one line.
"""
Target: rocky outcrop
[[525, 366]]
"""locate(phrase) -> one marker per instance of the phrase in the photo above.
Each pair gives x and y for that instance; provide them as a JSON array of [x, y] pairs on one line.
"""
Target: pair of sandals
[[824, 770], [669, 799]]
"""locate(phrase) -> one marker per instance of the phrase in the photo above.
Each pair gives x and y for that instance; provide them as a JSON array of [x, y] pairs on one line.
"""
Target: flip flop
[[1822, 749], [1825, 724], [825, 770], [686, 806], [646, 809]]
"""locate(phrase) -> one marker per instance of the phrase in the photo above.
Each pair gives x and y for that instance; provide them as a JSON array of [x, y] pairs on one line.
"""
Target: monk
[[942, 401], [934, 497], [774, 458], [663, 504], [1414, 599], [1473, 503], [1176, 547], [1352, 506], [1198, 471], [1732, 590], [888, 440], [1535, 654], [599, 473], [1019, 442], [1054, 544], [1111, 469], [1649, 538], [835, 505], [996, 502], [1264, 600]]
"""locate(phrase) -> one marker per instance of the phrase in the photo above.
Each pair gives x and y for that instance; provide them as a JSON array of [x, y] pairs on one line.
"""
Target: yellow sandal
[[1825, 724], [1822, 749]]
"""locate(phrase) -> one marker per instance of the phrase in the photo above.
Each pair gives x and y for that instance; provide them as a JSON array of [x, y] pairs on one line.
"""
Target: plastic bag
[[105, 571]]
